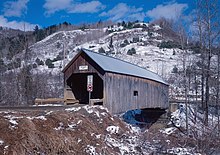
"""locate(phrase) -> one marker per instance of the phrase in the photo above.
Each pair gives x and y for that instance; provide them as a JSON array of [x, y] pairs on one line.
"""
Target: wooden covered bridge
[[118, 85]]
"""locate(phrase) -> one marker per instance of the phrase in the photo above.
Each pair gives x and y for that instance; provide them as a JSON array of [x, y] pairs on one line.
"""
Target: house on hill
[[117, 85]]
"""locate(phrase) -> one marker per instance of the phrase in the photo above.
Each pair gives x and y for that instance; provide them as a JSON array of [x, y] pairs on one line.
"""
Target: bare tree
[[207, 13], [218, 88]]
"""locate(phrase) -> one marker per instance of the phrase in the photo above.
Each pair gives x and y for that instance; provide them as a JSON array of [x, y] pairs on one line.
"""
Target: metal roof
[[111, 64]]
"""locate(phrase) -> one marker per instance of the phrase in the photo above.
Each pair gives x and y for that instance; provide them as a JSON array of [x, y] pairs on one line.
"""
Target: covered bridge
[[118, 85]]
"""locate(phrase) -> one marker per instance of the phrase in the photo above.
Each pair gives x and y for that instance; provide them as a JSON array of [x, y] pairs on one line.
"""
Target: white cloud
[[15, 8], [70, 6], [16, 25], [171, 10], [89, 7], [53, 6], [124, 12]]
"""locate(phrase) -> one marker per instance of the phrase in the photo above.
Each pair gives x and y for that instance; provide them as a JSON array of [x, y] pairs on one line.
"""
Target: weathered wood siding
[[83, 60], [79, 88], [119, 93]]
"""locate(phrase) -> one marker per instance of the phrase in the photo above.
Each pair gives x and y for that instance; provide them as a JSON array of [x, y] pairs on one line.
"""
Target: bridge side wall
[[125, 92]]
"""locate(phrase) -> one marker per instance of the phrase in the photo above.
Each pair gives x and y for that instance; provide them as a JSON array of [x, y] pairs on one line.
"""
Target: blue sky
[[14, 13]]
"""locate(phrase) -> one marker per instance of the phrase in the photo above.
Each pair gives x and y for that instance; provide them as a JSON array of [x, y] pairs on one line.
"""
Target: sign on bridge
[[90, 83]]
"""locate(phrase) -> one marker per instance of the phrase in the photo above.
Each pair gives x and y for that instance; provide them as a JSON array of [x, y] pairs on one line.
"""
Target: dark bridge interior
[[143, 117], [78, 83]]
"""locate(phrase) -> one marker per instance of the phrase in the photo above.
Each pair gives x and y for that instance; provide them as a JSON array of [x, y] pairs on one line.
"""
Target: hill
[[38, 67]]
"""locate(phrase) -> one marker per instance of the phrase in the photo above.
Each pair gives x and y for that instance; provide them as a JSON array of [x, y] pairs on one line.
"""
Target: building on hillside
[[117, 85]]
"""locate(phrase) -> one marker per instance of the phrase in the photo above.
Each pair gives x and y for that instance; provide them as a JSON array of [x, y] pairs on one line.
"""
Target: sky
[[17, 13]]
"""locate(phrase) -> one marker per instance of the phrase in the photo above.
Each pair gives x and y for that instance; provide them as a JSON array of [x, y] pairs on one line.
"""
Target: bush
[[49, 63], [135, 40], [58, 45], [131, 51], [125, 43], [39, 62], [59, 57], [169, 45], [175, 69], [2, 65], [34, 65], [101, 50]]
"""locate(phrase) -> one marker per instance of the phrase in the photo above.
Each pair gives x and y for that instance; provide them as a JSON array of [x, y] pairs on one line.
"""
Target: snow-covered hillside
[[143, 41]]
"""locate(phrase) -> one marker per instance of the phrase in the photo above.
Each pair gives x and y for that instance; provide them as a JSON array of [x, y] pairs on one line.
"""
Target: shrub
[[101, 50], [175, 69], [125, 43], [59, 57], [49, 63], [135, 40], [2, 65], [58, 45], [169, 45], [39, 62], [34, 65], [131, 51]]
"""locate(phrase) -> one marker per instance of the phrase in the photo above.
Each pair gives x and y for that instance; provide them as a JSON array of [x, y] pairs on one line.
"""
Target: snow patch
[[38, 117], [89, 109], [50, 112], [73, 109], [48, 105], [1, 142], [12, 120], [168, 131], [124, 150], [80, 121], [90, 150], [112, 129], [181, 151], [71, 126], [104, 113], [60, 127], [98, 136]]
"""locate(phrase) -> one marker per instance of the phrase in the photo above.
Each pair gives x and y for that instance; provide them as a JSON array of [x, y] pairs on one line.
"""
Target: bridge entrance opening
[[78, 84]]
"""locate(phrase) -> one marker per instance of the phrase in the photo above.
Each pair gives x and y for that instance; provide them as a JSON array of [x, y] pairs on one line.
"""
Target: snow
[[112, 129], [90, 150], [92, 109], [125, 147], [48, 113], [79, 122], [104, 113], [168, 131], [71, 126], [38, 117], [1, 142], [73, 109], [79, 140], [157, 27], [103, 108], [89, 109], [124, 150], [12, 120], [98, 136], [181, 151], [46, 105], [135, 129], [60, 127], [111, 64]]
